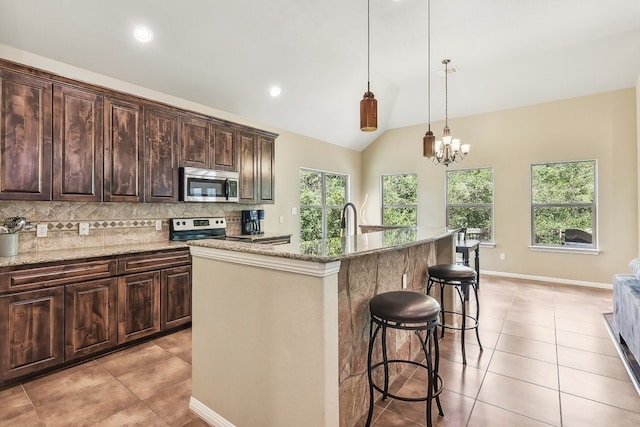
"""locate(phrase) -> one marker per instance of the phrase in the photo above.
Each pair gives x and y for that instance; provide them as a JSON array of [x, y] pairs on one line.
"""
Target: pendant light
[[429, 140], [368, 104]]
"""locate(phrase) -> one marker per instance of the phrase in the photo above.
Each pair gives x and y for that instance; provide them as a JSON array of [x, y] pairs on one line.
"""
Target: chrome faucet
[[343, 219]]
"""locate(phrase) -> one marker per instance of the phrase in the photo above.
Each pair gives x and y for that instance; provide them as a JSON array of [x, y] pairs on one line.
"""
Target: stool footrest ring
[[437, 392]]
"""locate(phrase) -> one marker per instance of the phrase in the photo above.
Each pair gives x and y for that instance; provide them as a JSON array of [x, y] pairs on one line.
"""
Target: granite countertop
[[92, 252], [334, 249], [258, 237]]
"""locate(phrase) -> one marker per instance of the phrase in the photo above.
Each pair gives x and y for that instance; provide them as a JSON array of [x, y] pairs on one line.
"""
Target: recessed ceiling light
[[275, 91], [143, 34]]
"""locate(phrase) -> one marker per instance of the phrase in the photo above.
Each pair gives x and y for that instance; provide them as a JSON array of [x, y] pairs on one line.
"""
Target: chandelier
[[448, 149], [368, 104]]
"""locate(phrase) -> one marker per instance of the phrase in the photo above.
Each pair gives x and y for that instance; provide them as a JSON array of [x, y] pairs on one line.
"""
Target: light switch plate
[[158, 225], [294, 211], [41, 230], [83, 228]]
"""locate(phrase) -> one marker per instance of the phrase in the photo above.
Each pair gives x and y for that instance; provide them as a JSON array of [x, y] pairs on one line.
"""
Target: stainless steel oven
[[207, 185]]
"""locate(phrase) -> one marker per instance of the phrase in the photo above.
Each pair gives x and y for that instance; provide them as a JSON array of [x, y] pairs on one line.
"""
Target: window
[[400, 199], [322, 196], [470, 202], [563, 204]]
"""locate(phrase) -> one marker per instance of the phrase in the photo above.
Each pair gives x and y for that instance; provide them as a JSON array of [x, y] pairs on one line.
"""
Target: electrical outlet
[[41, 230], [158, 225], [404, 280], [503, 256], [294, 211], [281, 219], [83, 228]]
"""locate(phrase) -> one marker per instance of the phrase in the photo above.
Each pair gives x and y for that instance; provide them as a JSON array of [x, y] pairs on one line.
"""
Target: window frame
[[383, 206], [491, 206], [594, 248], [324, 208]]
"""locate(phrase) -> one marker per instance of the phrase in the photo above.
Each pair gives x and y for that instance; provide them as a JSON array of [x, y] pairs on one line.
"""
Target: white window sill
[[487, 245], [566, 250]]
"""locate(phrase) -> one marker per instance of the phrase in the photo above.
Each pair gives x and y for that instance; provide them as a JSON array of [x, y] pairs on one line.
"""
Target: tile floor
[[547, 360]]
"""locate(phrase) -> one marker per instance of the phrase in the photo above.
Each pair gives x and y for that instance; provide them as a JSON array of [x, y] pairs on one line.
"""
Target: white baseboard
[[207, 414], [548, 279]]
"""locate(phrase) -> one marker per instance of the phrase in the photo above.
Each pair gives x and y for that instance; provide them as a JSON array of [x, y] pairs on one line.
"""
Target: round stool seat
[[452, 272], [404, 307], [404, 311]]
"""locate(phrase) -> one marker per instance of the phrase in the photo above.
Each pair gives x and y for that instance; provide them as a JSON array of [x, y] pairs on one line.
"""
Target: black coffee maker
[[251, 221]]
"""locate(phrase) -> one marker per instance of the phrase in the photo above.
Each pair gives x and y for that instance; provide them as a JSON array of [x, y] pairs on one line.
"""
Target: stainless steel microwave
[[207, 185]]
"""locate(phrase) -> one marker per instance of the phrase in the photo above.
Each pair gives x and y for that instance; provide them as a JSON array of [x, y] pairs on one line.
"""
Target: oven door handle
[[227, 188]]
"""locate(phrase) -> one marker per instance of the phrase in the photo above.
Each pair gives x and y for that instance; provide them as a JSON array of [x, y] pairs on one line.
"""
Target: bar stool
[[461, 278], [407, 311]]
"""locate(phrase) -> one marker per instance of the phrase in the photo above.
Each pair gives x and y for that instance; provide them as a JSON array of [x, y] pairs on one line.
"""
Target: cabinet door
[[265, 170], [31, 331], [225, 149], [138, 306], [122, 151], [90, 317], [77, 144], [25, 137], [161, 144], [176, 296], [195, 143], [247, 168]]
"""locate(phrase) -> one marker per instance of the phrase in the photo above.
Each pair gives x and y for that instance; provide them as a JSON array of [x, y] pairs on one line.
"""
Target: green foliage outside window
[[322, 196], [470, 200], [563, 196], [400, 199]]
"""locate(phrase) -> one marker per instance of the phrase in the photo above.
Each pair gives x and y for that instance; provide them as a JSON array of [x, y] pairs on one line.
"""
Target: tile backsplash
[[110, 223]]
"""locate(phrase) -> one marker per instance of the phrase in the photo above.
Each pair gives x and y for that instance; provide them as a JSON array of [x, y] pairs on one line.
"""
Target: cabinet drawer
[[54, 275], [153, 261]]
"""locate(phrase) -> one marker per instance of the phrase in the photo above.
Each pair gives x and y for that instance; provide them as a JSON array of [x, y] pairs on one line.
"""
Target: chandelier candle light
[[368, 104]]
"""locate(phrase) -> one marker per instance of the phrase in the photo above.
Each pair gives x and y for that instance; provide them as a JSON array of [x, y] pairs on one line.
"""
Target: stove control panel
[[194, 224]]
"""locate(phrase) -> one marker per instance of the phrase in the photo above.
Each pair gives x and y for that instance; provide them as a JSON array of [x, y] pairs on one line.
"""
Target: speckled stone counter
[[90, 252], [336, 249], [285, 327]]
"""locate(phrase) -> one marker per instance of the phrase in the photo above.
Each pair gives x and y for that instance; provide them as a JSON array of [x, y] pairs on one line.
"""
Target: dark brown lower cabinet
[[176, 296], [138, 306], [59, 312], [90, 317], [31, 331]]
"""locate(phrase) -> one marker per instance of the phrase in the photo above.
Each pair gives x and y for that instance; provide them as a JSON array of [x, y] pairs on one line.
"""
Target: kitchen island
[[280, 332]]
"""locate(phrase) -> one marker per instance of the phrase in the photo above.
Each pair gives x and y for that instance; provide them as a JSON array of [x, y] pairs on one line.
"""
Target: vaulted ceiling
[[227, 54]]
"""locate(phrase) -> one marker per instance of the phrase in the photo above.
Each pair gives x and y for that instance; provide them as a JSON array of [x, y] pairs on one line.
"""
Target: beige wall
[[601, 127]]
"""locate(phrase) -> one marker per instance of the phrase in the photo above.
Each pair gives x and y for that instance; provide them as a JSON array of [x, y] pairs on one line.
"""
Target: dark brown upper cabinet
[[266, 153], [77, 144], [256, 168], [123, 151], [62, 139], [161, 146], [225, 149], [25, 137], [208, 145], [195, 142], [248, 167]]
